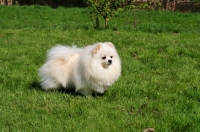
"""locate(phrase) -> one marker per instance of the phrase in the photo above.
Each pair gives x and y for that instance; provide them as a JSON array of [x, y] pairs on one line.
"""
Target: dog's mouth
[[106, 66]]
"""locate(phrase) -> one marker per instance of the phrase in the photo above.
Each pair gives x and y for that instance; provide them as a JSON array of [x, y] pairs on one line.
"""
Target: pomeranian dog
[[89, 70]]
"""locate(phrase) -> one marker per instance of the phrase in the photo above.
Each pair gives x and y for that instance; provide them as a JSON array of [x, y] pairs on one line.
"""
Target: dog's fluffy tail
[[60, 51], [55, 72]]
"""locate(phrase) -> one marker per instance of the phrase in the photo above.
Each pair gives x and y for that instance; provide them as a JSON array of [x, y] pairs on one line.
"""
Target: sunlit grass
[[159, 86]]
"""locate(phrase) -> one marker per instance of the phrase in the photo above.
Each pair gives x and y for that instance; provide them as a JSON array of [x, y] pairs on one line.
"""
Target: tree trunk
[[106, 22], [134, 19]]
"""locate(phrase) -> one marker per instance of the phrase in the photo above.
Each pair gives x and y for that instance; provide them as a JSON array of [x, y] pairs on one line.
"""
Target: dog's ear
[[97, 48], [110, 44]]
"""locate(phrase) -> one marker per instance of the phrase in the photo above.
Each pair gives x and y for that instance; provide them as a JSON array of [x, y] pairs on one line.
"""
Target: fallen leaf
[[149, 130]]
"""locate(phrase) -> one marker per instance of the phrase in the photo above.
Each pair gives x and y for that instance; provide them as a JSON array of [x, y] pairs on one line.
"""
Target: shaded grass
[[159, 86]]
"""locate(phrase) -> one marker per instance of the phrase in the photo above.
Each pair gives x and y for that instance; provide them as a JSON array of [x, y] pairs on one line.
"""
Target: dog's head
[[105, 53]]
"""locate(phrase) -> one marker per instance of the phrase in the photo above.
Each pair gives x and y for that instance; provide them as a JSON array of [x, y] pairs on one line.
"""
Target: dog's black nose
[[110, 61]]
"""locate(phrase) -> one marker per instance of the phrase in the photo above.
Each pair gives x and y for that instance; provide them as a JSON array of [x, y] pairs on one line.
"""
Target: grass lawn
[[159, 87]]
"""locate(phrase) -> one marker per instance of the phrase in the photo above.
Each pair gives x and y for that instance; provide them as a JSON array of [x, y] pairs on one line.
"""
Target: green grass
[[159, 86]]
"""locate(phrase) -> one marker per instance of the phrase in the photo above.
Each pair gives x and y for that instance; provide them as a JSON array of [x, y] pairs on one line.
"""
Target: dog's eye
[[104, 58], [111, 56]]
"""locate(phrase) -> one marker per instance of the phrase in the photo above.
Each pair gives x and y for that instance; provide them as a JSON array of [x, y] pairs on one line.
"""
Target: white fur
[[88, 69]]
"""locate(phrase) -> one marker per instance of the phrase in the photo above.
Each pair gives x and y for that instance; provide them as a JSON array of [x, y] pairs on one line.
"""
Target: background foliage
[[173, 5]]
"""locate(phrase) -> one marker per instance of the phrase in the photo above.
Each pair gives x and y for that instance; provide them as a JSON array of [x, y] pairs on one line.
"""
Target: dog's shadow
[[36, 86]]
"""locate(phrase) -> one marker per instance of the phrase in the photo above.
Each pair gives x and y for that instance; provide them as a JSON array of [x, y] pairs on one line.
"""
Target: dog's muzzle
[[109, 62]]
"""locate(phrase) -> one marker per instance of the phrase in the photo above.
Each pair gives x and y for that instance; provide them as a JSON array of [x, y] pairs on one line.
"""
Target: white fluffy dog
[[91, 69]]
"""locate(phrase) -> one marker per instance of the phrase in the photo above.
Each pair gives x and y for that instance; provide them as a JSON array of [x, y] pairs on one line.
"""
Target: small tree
[[104, 8]]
